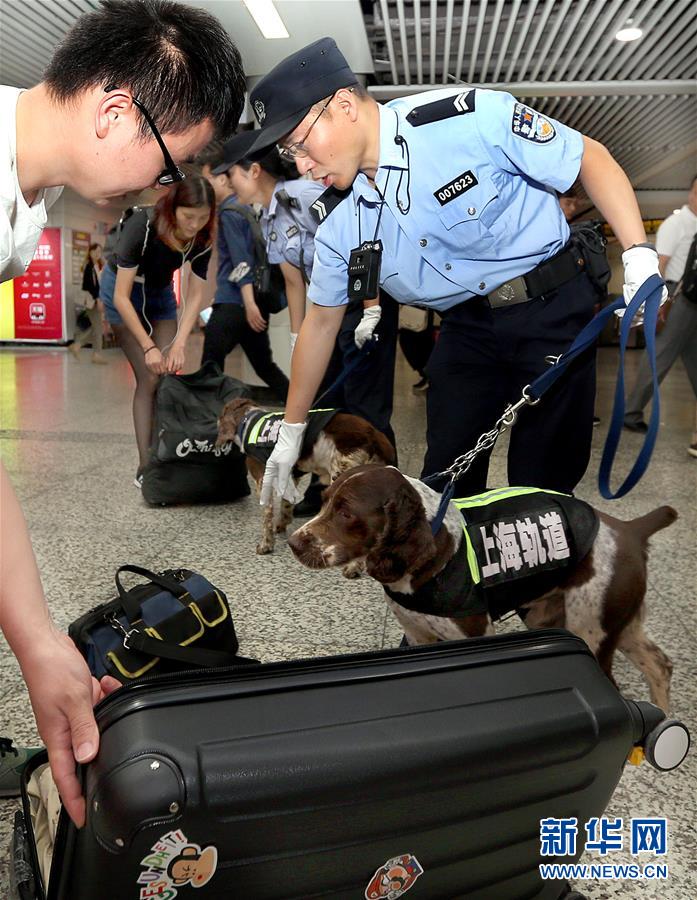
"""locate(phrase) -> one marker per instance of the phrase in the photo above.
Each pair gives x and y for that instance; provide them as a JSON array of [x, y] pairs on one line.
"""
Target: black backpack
[[688, 282], [269, 283], [185, 465]]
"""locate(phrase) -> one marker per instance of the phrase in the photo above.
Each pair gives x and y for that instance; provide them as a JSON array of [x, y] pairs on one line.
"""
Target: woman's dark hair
[[273, 163], [192, 192], [177, 60], [88, 258]]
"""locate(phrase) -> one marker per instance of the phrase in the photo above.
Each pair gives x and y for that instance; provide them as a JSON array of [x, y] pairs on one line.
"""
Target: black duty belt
[[543, 279]]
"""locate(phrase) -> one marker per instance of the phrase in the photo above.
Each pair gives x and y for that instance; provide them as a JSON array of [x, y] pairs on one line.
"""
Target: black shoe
[[639, 426], [596, 421]]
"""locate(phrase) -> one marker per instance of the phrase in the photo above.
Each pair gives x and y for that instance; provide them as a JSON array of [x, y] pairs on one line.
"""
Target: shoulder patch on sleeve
[[327, 203], [459, 105], [528, 124]]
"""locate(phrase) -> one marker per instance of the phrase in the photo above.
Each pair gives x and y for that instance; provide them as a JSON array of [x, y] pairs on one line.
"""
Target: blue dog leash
[[358, 358], [648, 294]]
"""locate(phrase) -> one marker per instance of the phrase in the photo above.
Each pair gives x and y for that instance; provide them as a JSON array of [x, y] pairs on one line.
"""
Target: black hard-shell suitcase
[[329, 777]]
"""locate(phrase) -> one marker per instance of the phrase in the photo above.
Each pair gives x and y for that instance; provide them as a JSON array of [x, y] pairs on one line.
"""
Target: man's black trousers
[[369, 389], [228, 327], [482, 361]]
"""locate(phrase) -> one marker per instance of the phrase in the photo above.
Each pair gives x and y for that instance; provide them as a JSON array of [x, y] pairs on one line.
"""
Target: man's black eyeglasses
[[298, 150], [171, 172]]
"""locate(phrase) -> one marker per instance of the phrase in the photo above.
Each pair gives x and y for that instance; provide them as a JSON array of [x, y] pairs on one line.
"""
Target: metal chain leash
[[487, 440]]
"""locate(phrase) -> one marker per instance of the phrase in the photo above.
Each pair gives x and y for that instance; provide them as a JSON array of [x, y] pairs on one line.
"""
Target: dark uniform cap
[[237, 148], [284, 97]]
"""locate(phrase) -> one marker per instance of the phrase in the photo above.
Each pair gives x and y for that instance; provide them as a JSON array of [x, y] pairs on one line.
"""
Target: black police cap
[[237, 148], [284, 97]]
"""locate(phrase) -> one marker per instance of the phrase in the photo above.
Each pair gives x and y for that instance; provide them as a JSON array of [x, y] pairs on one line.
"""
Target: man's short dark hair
[[177, 60]]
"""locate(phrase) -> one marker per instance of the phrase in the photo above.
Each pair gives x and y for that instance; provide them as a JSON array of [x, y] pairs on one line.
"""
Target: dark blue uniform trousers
[[369, 389], [482, 361]]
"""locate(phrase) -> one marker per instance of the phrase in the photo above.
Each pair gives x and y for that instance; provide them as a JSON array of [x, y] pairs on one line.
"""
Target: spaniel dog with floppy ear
[[379, 516], [405, 542], [333, 443]]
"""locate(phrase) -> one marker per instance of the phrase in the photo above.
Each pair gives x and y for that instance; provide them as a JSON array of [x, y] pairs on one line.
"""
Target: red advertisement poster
[[38, 293]]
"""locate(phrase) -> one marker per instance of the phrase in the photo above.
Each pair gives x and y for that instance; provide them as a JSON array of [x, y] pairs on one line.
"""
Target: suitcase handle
[[130, 604]]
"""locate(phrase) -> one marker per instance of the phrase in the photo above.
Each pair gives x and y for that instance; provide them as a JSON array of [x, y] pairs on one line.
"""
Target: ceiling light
[[628, 33], [267, 18]]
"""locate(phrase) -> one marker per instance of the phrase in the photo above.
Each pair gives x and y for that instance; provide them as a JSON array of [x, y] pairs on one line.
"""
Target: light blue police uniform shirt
[[483, 202], [287, 231]]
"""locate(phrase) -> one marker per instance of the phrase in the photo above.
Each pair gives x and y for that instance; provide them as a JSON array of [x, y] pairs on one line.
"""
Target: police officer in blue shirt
[[236, 318], [452, 194], [289, 227]]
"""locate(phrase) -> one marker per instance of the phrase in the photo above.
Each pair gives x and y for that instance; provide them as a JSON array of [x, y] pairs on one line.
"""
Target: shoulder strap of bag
[[249, 216], [290, 204], [206, 659]]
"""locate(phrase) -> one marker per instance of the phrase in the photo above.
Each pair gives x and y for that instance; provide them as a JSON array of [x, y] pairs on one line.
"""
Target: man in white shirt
[[134, 88], [679, 334]]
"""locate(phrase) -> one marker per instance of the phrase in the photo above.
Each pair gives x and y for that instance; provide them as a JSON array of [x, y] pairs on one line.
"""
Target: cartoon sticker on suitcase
[[175, 862], [394, 879]]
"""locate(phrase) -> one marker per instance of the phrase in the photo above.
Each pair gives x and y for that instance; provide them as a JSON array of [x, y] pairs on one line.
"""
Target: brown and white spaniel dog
[[333, 443], [380, 517]]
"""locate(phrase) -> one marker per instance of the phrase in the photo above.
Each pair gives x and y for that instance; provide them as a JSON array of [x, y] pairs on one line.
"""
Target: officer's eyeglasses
[[171, 172], [298, 149]]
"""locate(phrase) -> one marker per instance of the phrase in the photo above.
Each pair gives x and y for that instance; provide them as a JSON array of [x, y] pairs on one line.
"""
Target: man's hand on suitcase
[[62, 693]]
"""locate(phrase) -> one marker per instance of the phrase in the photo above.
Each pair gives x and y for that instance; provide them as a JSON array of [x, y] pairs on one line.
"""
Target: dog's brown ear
[[406, 542], [227, 425]]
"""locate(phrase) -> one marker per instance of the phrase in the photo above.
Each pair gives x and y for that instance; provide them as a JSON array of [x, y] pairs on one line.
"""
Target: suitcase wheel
[[667, 745]]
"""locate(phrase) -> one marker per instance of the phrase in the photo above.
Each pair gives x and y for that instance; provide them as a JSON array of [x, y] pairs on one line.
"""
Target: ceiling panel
[[638, 98]]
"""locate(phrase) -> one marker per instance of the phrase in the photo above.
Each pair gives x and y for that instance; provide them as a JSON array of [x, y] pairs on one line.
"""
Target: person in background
[[236, 317], [91, 274], [288, 227], [133, 85], [138, 294], [678, 336], [417, 337]]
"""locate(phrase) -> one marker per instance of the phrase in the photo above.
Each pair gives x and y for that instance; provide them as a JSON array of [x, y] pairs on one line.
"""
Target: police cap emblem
[[259, 111]]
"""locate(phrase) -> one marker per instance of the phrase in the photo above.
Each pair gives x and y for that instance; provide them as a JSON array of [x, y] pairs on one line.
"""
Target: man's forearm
[[310, 360], [24, 615], [296, 306], [610, 190]]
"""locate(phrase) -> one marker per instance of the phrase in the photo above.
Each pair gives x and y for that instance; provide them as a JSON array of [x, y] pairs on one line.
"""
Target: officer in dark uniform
[[453, 194]]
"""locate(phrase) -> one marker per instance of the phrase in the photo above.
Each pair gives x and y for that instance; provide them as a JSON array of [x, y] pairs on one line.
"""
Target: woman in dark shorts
[[138, 296]]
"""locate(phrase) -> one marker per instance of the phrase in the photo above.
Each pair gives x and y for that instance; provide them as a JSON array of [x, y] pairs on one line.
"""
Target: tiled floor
[[65, 436]]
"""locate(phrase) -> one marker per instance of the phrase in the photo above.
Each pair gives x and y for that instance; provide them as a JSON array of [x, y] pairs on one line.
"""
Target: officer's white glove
[[293, 339], [639, 264], [279, 466], [367, 325]]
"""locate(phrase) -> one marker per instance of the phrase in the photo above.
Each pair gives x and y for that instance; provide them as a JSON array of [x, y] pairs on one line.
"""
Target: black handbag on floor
[[177, 620], [185, 465]]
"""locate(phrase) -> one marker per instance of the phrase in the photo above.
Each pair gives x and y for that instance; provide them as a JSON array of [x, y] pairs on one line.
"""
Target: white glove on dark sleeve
[[639, 263], [279, 467], [293, 339], [367, 325]]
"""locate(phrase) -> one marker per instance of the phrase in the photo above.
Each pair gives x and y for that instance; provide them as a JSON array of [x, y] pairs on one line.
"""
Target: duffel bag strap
[[207, 659], [131, 605]]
